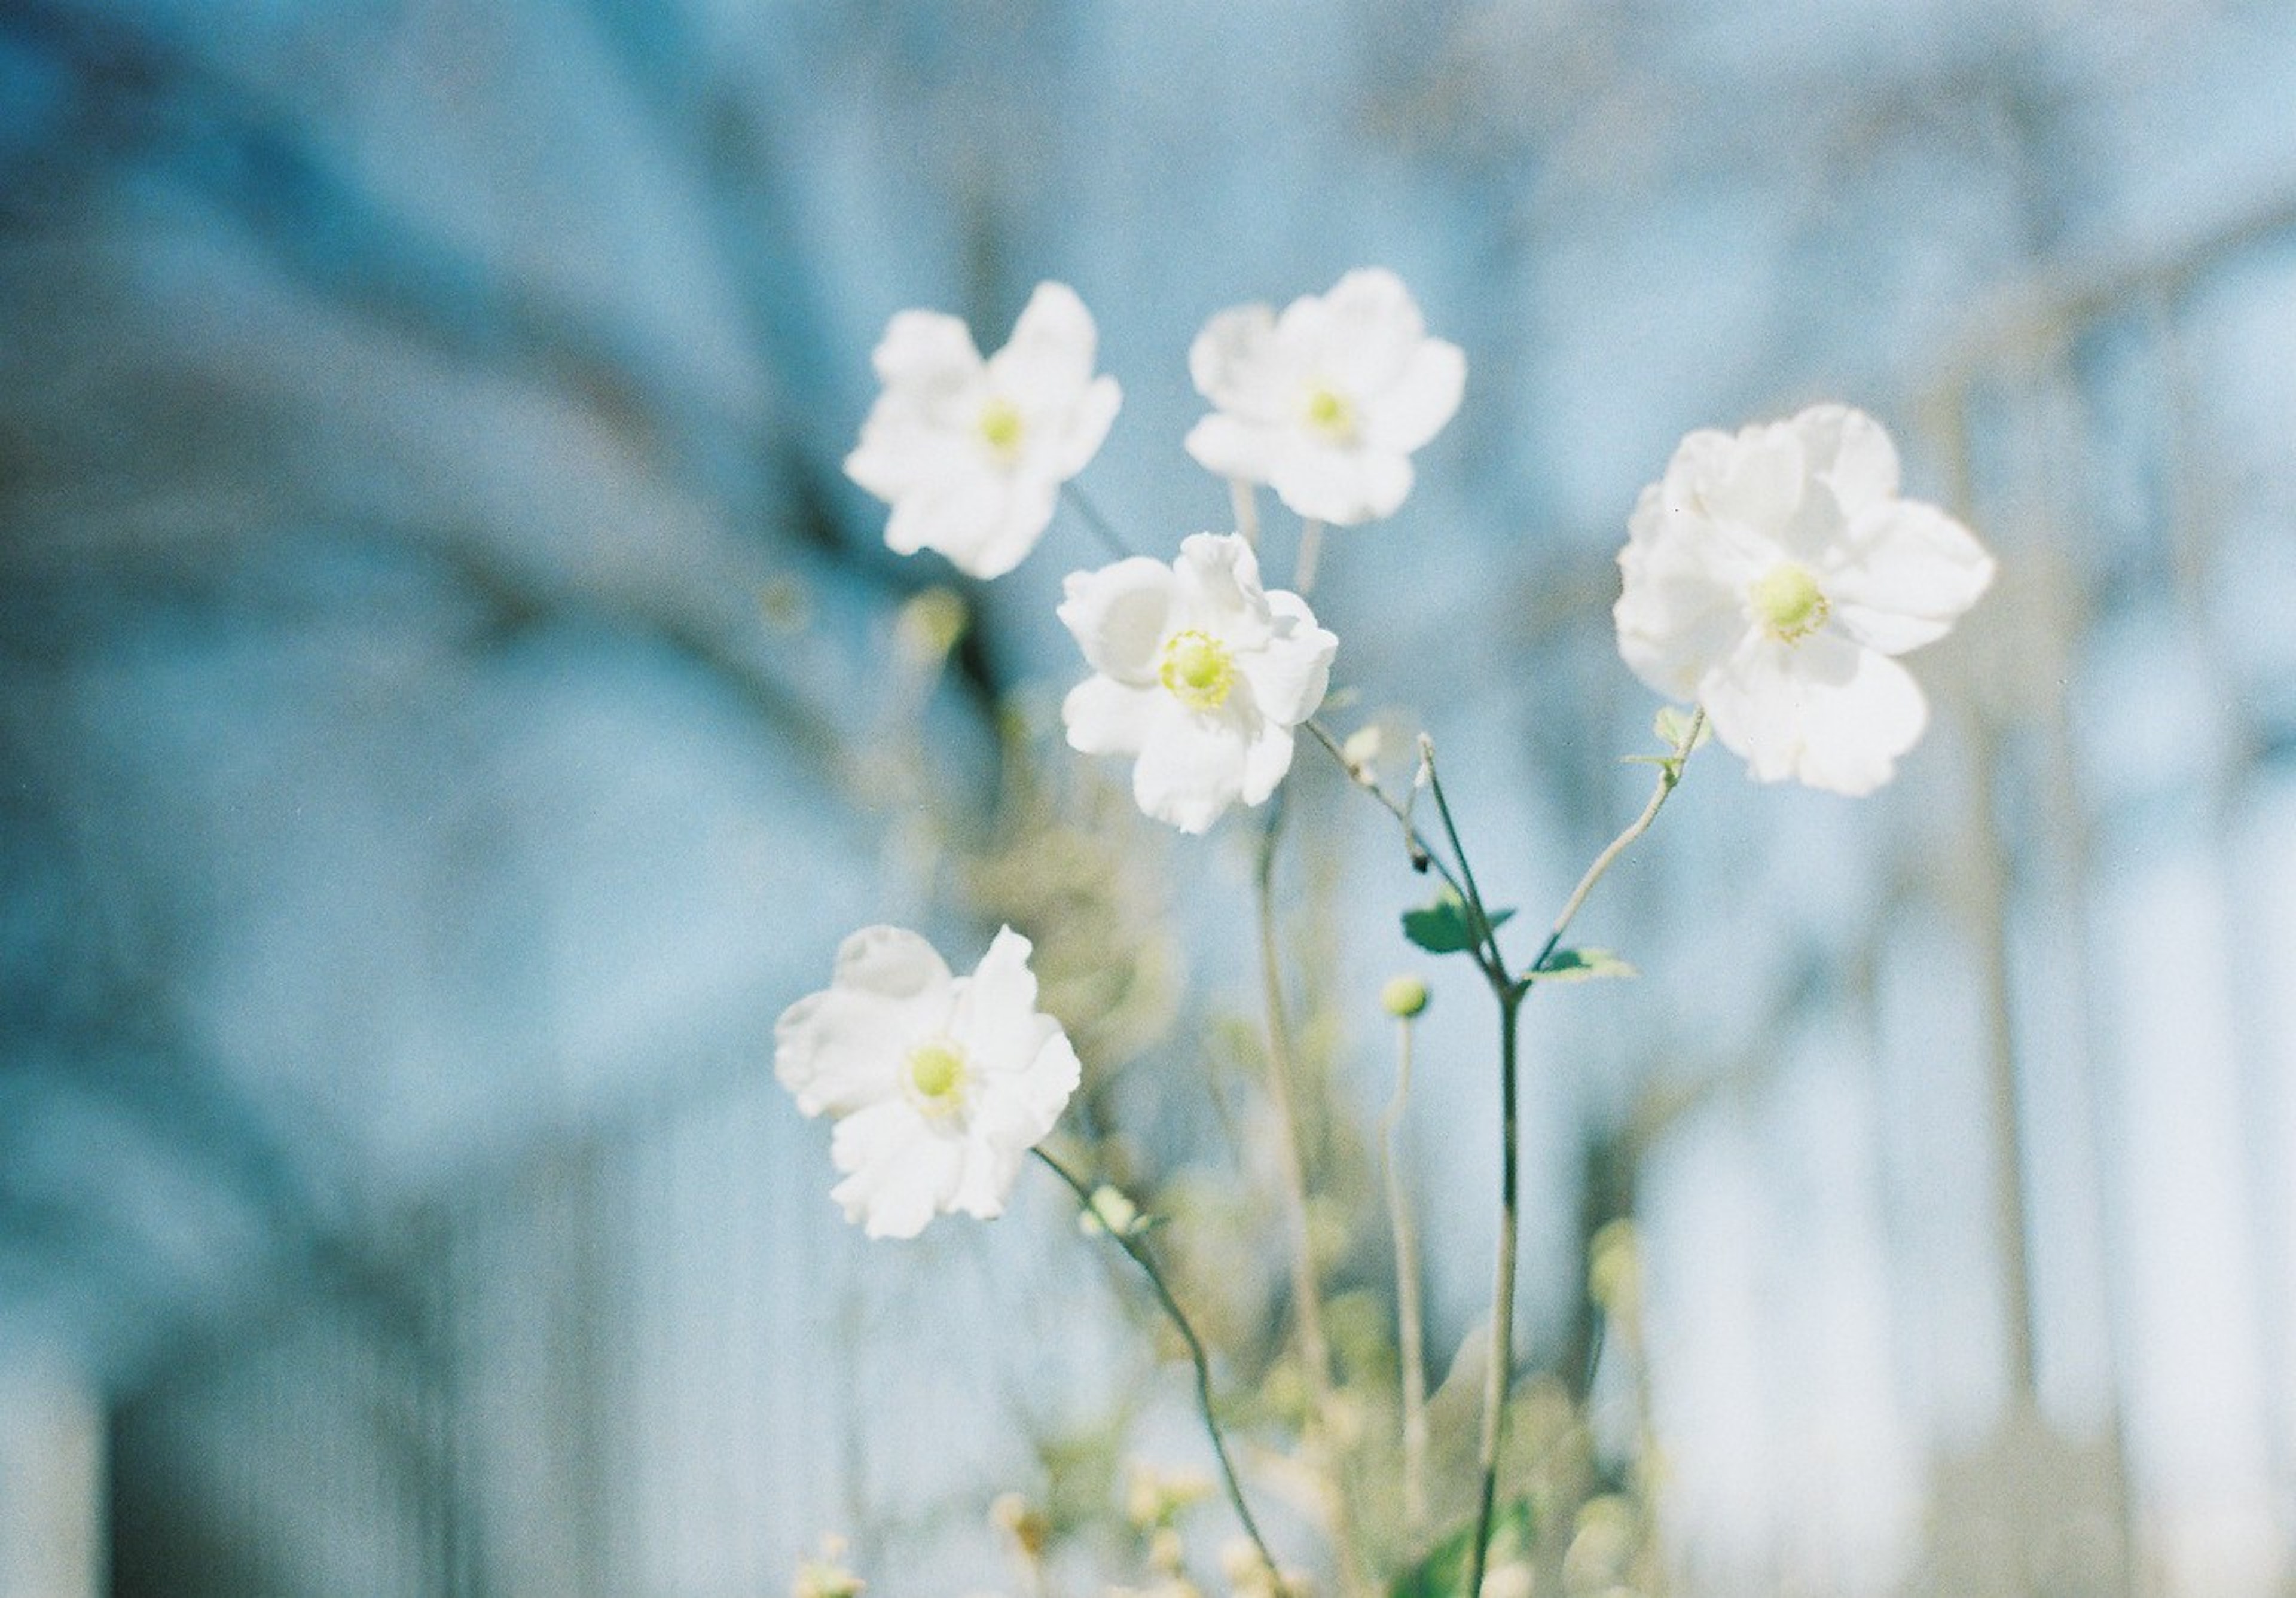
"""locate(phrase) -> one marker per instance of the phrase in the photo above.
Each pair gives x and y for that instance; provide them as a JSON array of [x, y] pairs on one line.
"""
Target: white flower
[[940, 1085], [972, 455], [1326, 402], [1772, 576], [1198, 673]]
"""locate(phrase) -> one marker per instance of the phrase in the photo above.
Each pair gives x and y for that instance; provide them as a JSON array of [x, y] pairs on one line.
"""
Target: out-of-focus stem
[[1306, 1293], [1411, 1340], [1311, 550], [1244, 500], [1100, 525], [1138, 1253]]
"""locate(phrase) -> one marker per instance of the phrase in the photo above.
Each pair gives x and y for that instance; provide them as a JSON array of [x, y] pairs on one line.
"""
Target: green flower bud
[[1404, 996]]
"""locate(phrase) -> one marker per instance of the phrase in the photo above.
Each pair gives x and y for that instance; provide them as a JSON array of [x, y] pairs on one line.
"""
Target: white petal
[[1216, 583], [1369, 328], [1105, 717], [988, 1168], [1414, 407], [926, 350], [1905, 574], [1759, 483], [1074, 434], [892, 963], [1265, 759], [1679, 611], [1048, 360], [1230, 446], [1823, 712], [900, 1171], [1342, 487], [1191, 767], [1290, 675], [901, 450], [983, 520], [1237, 365], [1120, 615], [1847, 450], [1029, 506], [1017, 1109], [843, 1047], [995, 1018]]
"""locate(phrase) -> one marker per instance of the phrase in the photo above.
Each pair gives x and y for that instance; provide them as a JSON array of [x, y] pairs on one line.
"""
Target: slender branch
[[1494, 962], [1101, 527], [1669, 776], [1138, 1252], [1511, 994], [1499, 1374], [1411, 1338], [1423, 854]]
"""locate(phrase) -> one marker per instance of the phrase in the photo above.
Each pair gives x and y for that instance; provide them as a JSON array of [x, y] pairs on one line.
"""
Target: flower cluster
[[1771, 578]]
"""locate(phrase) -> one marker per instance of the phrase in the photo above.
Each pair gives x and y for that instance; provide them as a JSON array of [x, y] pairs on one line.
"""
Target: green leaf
[[1673, 725], [1445, 927], [1581, 965], [1443, 1573]]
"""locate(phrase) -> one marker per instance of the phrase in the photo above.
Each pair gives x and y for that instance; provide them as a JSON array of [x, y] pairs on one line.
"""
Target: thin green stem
[[1411, 1339], [1669, 777], [1494, 962], [1100, 525], [1499, 1374], [1138, 1253], [1511, 994], [1423, 854]]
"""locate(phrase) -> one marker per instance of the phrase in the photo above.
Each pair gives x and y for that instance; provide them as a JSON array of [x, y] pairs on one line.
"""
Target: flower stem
[[1244, 499], [1511, 994], [1423, 855], [1306, 1293], [1138, 1252], [1100, 525], [1411, 1339], [1311, 550], [1499, 1374], [1487, 936], [1669, 776]]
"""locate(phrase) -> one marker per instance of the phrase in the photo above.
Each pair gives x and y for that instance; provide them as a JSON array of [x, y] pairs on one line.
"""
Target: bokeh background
[[450, 702]]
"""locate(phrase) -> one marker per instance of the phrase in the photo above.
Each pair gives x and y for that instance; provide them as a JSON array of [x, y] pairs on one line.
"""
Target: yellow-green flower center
[[1788, 603], [939, 1074], [1331, 413], [1197, 670], [1001, 427]]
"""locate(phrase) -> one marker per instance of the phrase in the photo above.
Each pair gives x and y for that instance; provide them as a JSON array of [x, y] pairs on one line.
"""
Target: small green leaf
[[1443, 1573], [1672, 725], [1581, 965], [1445, 927]]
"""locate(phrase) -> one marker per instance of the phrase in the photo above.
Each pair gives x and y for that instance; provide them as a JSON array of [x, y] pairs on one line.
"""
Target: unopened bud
[[1404, 996]]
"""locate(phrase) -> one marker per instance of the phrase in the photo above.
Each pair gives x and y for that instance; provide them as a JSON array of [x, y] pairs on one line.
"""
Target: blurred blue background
[[435, 633]]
